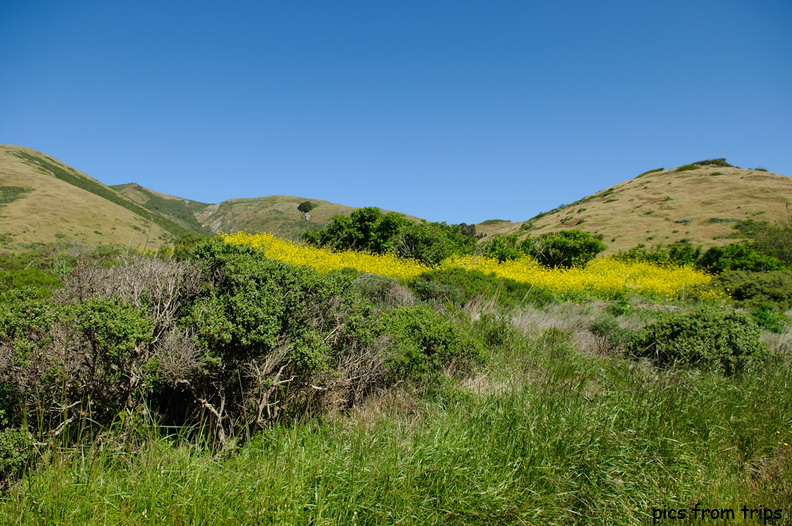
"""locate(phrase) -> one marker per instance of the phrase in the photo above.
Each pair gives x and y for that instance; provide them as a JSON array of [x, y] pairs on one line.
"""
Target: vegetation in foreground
[[220, 386]]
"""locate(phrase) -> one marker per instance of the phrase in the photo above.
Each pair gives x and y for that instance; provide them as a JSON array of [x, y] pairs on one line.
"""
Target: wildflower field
[[601, 277]]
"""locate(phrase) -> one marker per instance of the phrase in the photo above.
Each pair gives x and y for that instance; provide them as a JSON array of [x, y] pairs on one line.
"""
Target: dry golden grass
[[668, 206], [56, 211]]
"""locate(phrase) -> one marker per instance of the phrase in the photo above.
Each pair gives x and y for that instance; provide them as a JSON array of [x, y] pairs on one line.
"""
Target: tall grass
[[546, 435]]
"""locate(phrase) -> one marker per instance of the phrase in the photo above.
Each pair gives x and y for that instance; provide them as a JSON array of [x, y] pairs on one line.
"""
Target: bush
[[306, 206], [16, 453], [426, 343], [458, 286], [706, 338], [758, 289], [738, 256], [567, 248]]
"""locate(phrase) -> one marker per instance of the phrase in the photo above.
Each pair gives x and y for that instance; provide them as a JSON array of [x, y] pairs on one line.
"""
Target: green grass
[[545, 435], [9, 194]]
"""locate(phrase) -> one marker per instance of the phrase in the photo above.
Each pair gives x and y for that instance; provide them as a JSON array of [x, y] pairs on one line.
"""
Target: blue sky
[[450, 110]]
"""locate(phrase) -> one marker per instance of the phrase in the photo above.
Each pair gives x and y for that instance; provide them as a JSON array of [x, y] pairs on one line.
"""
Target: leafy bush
[[306, 206], [458, 286], [370, 230], [706, 338], [427, 342], [431, 243], [758, 289], [680, 253], [505, 248], [738, 256], [567, 248], [16, 452]]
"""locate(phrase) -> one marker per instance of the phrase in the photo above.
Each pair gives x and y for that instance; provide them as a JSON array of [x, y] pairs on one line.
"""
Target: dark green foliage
[[718, 163], [680, 253], [738, 256], [650, 172], [687, 167], [774, 241], [364, 229], [16, 453], [457, 286], [10, 194], [567, 248], [184, 245], [426, 343], [758, 289], [257, 304], [706, 338], [505, 248], [432, 242], [306, 206], [370, 230], [770, 320]]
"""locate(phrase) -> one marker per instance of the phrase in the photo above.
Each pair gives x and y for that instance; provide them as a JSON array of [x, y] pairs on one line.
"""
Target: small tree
[[306, 206], [568, 248]]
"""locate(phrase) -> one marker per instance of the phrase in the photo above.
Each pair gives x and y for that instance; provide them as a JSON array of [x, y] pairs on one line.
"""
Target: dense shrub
[[706, 338], [458, 286], [680, 253], [426, 343], [16, 452], [757, 289], [738, 256], [306, 206], [567, 248], [505, 248], [371, 230]]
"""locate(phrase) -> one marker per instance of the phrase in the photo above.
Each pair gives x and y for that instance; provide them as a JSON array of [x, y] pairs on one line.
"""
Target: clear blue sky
[[451, 110]]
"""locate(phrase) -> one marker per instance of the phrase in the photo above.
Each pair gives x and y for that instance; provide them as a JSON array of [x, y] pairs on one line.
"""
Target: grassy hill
[[277, 214], [699, 202], [43, 200]]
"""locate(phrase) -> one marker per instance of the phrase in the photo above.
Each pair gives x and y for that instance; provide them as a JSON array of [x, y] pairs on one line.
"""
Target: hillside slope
[[276, 214], [700, 204], [43, 200]]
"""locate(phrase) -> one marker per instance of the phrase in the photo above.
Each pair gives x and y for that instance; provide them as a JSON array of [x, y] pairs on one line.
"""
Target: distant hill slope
[[700, 204], [43, 200], [277, 214]]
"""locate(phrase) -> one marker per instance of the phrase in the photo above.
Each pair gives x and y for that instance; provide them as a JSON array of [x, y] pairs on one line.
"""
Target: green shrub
[[706, 338], [458, 286], [306, 206], [738, 256], [567, 248], [426, 343], [770, 320], [16, 453], [758, 289]]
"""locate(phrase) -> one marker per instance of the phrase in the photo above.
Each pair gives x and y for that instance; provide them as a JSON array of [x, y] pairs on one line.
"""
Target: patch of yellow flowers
[[602, 276], [325, 260]]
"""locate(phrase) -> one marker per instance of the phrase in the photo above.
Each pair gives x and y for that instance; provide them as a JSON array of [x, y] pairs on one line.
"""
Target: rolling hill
[[43, 200], [700, 202], [277, 214]]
